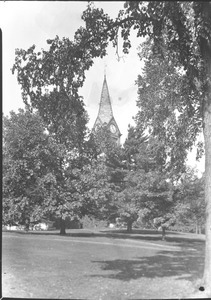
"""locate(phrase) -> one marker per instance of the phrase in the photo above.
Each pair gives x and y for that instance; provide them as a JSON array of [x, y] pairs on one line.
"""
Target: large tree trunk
[[196, 227], [27, 223], [129, 226], [206, 53], [62, 226], [163, 233], [207, 141]]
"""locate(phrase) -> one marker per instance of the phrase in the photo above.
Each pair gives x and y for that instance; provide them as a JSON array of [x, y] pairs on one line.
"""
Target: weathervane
[[105, 66]]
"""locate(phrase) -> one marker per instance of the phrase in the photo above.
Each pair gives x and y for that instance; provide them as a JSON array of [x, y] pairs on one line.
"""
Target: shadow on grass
[[155, 236], [136, 234], [185, 265], [55, 233]]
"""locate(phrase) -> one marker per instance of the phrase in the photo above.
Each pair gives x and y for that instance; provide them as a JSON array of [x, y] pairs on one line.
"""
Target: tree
[[119, 162], [94, 190], [26, 162], [148, 188], [49, 81], [104, 174], [163, 90], [134, 162], [99, 182], [191, 198], [38, 172]]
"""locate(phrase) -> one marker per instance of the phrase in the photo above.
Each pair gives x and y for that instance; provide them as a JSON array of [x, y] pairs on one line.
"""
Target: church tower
[[105, 114]]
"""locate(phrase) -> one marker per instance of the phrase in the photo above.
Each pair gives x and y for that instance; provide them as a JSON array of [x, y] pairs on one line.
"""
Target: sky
[[25, 23]]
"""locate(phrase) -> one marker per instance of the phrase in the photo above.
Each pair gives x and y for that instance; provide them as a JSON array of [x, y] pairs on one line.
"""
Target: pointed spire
[[105, 114], [105, 110]]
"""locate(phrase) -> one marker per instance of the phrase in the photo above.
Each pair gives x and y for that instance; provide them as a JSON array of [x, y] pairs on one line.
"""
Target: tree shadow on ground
[[153, 235], [188, 263], [56, 233], [142, 235], [185, 264]]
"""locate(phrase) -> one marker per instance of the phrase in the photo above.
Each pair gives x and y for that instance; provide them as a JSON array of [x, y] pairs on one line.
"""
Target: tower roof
[[105, 112]]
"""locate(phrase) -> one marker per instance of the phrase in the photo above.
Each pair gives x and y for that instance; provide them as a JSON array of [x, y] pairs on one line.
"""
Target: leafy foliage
[[94, 189], [191, 199], [164, 111], [148, 190], [26, 161], [50, 80], [38, 171], [100, 179]]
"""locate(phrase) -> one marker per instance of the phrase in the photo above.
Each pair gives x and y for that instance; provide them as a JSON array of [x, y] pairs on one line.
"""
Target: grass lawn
[[100, 265]]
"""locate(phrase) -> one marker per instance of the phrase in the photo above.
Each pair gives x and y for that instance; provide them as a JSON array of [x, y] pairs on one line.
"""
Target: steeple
[[105, 113]]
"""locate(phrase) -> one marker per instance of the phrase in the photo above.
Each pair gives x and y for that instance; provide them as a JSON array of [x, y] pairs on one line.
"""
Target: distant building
[[105, 115]]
